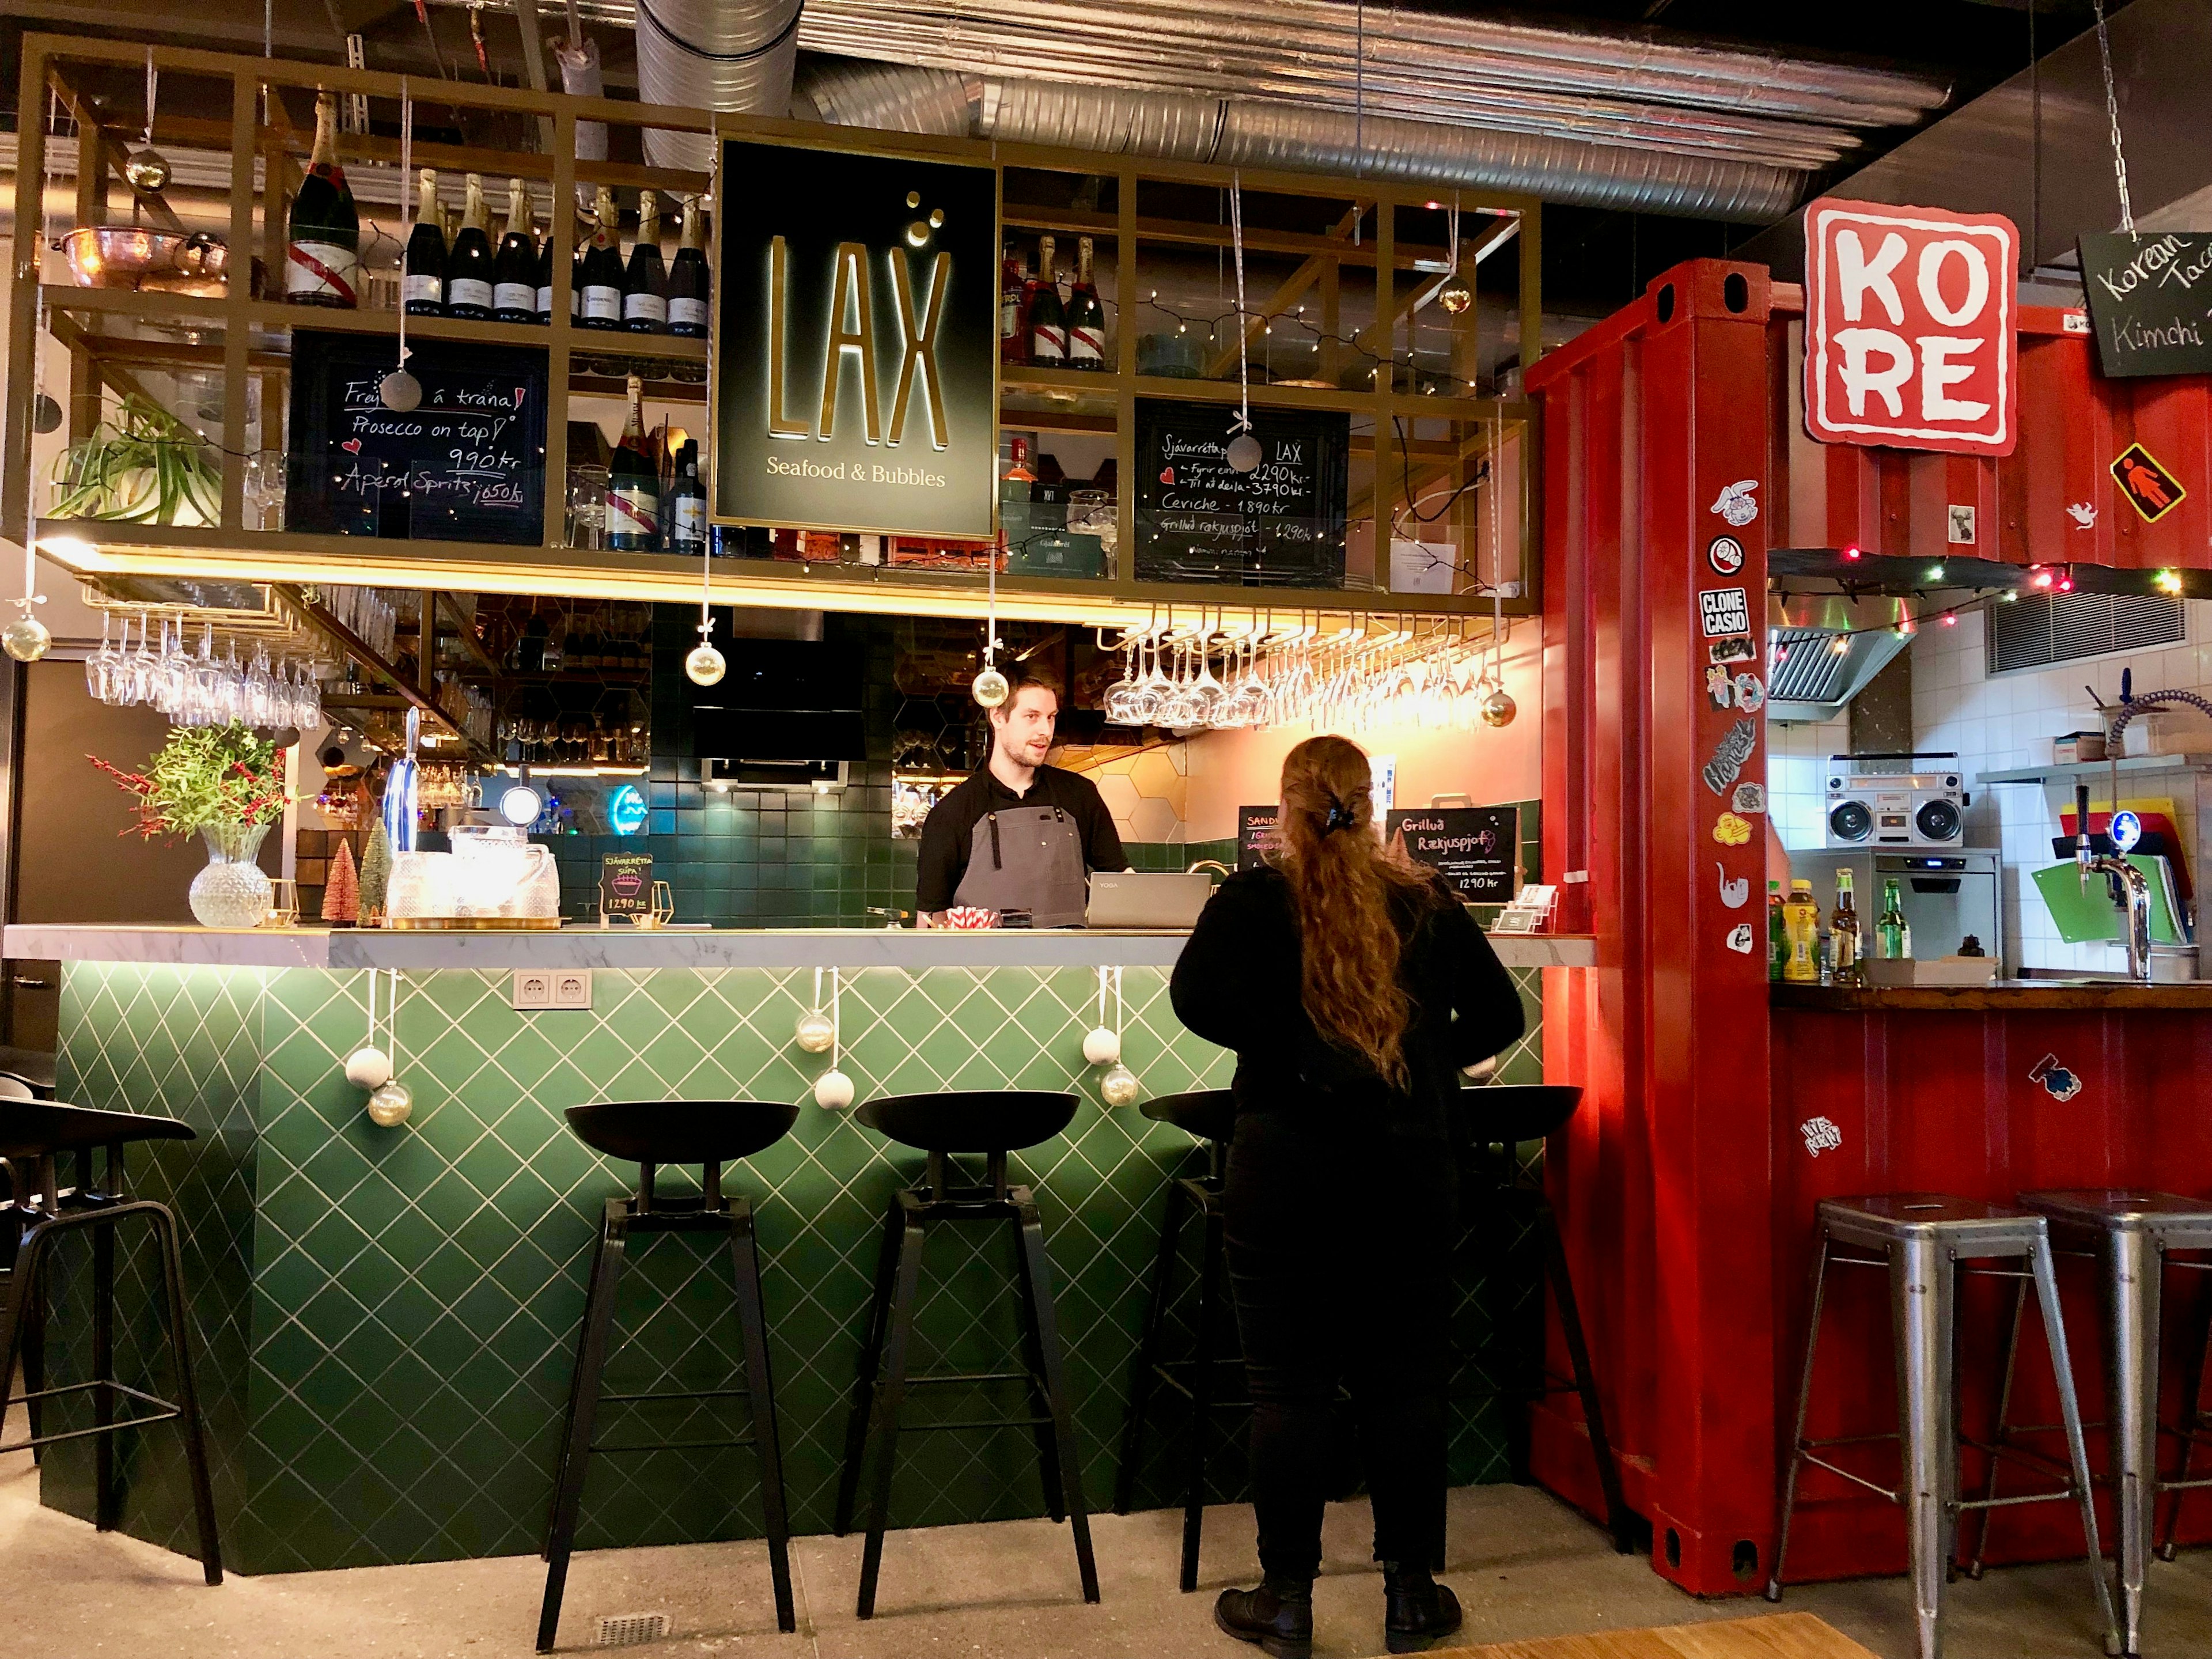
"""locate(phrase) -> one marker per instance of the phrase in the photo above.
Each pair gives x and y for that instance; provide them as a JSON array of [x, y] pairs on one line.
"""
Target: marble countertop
[[675, 947]]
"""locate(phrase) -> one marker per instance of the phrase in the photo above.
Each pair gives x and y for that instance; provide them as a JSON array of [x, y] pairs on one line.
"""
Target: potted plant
[[228, 785], [145, 466]]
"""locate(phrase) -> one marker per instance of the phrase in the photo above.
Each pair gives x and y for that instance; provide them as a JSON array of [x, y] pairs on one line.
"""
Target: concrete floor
[[1523, 1565]]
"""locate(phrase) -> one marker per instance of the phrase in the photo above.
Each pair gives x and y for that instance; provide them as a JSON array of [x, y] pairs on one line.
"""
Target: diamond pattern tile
[[386, 1319]]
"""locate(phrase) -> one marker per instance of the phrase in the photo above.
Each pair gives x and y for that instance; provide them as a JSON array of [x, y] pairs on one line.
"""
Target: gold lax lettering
[[780, 425], [851, 292], [918, 344]]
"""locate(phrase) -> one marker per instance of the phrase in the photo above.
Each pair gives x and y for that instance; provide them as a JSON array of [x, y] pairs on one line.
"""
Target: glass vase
[[233, 891]]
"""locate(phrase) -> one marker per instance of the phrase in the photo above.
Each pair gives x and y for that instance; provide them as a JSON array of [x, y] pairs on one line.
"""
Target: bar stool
[[34, 1133], [2130, 1234], [1495, 1119], [992, 1122], [1209, 1115], [709, 1133], [1921, 1238]]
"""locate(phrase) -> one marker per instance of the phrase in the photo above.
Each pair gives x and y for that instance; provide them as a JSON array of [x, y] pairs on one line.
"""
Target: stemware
[[99, 666]]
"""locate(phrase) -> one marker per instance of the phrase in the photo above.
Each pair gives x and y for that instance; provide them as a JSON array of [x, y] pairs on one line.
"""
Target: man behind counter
[[1019, 835]]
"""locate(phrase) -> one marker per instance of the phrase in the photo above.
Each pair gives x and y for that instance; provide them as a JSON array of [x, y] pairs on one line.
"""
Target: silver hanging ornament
[[705, 665], [1498, 707], [148, 170], [1244, 455], [1119, 1087], [45, 414], [815, 1032], [390, 1104], [26, 638], [400, 391], [989, 688], [1455, 296]]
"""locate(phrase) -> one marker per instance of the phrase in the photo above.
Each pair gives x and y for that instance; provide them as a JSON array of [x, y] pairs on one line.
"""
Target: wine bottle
[[634, 485], [603, 268], [544, 296], [690, 280], [468, 265], [514, 268], [1047, 320], [424, 265], [1013, 291], [645, 285], [322, 255], [687, 506], [1086, 317]]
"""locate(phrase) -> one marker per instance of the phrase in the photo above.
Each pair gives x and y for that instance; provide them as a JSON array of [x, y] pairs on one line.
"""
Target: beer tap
[[2090, 862]]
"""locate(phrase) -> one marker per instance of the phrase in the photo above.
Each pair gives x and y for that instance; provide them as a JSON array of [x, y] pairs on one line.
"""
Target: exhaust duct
[[723, 55]]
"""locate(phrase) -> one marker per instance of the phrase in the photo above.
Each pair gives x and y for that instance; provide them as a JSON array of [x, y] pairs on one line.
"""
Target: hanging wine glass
[[99, 666]]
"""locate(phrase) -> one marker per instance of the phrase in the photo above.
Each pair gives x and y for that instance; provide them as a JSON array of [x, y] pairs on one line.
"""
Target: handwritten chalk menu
[[1280, 525], [2150, 300], [467, 464], [1257, 835], [1473, 848], [625, 884]]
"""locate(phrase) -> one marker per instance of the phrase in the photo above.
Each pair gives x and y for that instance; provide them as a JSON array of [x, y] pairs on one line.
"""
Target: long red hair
[[1342, 884]]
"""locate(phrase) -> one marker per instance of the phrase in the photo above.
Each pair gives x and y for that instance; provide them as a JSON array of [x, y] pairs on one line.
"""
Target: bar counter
[[2004, 996], [387, 1318]]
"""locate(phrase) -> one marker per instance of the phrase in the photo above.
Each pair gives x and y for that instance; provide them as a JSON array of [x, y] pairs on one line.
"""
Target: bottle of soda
[[1845, 947], [1802, 913], [1777, 932]]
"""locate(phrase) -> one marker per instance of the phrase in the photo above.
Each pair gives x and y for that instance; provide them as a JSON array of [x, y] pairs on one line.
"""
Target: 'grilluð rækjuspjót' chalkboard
[[2150, 300], [1280, 525], [467, 466], [1475, 848]]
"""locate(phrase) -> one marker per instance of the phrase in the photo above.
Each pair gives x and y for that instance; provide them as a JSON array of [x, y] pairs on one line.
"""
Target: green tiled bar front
[[387, 1318]]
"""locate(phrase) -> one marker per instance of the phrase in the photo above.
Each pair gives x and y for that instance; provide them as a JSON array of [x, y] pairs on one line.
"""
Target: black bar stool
[[34, 1133], [710, 1133], [1495, 1119], [1918, 1240], [1210, 1116], [991, 1122]]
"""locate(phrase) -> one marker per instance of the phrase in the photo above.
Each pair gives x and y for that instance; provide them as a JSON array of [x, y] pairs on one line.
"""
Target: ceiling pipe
[[1289, 137], [723, 55]]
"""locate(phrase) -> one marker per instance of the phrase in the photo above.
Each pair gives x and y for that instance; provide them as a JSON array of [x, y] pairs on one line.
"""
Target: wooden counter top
[[2005, 996]]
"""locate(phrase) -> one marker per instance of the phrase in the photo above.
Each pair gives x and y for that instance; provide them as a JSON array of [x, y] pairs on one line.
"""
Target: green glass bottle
[[1890, 931], [1778, 933]]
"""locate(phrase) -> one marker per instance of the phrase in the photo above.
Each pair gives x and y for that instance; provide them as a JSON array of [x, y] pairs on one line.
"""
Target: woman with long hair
[[1353, 987]]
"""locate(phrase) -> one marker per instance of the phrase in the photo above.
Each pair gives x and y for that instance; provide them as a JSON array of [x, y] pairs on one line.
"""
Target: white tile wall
[[1797, 778]]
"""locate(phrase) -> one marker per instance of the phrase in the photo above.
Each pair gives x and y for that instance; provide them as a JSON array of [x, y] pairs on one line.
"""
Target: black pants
[[1339, 1262]]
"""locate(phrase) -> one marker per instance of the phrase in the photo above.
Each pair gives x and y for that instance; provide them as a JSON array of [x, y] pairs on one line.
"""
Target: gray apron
[[1026, 858]]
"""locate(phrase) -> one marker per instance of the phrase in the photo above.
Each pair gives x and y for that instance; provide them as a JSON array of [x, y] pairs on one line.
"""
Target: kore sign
[[1909, 315]]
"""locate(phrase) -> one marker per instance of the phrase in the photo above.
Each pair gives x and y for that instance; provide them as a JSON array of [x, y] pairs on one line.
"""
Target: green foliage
[[375, 868], [145, 466], [206, 777]]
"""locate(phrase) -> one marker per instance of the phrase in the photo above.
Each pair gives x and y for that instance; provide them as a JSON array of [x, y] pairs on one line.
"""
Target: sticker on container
[[1727, 764], [1750, 693], [1726, 611], [1725, 555], [2126, 831], [1821, 1135], [1961, 529], [2150, 488], [1730, 831], [1719, 687], [1749, 798], [1740, 939], [1736, 504], [1735, 890], [1742, 648], [2058, 1081], [2084, 514]]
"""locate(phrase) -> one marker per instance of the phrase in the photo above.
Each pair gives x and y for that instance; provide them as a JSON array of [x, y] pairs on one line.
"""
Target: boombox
[[1894, 809]]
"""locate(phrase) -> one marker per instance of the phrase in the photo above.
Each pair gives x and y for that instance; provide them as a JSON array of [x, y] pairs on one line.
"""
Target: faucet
[[1214, 864], [2137, 884]]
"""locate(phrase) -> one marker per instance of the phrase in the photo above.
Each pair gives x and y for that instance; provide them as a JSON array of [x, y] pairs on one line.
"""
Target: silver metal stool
[[2130, 1234], [1922, 1238]]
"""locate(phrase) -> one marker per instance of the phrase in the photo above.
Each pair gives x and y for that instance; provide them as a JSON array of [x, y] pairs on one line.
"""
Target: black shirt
[[1239, 982], [949, 831]]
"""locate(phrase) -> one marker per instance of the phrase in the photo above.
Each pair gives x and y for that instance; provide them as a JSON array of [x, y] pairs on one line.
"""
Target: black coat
[[1239, 983]]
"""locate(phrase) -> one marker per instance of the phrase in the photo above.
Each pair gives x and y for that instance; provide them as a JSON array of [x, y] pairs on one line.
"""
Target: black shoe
[[1278, 1616], [1420, 1611]]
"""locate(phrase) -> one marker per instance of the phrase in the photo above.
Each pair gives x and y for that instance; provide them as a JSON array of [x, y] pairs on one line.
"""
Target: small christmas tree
[[375, 872], [342, 892]]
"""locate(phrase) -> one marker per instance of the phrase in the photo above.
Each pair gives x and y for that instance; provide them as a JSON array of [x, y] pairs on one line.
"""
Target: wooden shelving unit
[[247, 338]]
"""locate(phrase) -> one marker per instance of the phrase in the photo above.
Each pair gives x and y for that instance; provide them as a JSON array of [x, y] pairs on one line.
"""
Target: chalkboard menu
[[1257, 835], [1473, 848], [1280, 525], [626, 885], [2150, 298], [468, 465]]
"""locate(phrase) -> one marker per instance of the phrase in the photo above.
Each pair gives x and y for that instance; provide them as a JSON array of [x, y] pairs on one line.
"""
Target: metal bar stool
[[1210, 1116], [991, 1122], [1502, 1117], [1920, 1238], [2130, 1234], [34, 1133], [709, 1133]]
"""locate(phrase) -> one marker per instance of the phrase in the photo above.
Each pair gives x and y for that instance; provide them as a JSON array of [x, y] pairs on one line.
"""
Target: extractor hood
[[1823, 648]]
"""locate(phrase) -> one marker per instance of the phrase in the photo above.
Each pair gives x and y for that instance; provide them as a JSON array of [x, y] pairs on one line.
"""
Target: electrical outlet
[[572, 988], [533, 988]]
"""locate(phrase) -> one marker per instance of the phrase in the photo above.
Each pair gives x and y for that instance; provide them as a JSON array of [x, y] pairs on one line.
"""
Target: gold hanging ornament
[[146, 169], [26, 638]]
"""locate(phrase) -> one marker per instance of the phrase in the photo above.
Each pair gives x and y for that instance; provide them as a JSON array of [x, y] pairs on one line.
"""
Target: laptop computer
[[1142, 898]]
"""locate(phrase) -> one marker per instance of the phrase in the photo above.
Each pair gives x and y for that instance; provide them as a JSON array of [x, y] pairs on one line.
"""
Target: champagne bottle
[[687, 506], [1048, 321], [322, 255], [1086, 316], [634, 485], [546, 253], [424, 265], [645, 285], [1013, 291], [690, 280], [602, 280], [514, 268], [468, 266]]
